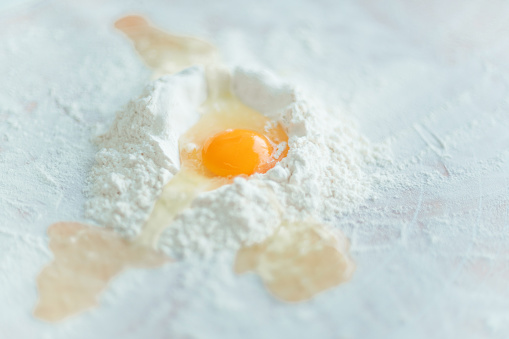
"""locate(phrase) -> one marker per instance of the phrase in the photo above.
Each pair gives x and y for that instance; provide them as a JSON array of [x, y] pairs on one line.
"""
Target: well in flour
[[322, 175]]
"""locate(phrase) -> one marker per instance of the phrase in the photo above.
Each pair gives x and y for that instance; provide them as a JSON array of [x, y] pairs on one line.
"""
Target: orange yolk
[[238, 151]]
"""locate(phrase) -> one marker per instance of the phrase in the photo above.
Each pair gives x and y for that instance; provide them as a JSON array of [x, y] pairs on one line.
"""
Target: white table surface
[[431, 76]]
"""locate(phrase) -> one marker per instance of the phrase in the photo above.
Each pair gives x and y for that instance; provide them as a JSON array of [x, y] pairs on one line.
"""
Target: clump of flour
[[222, 219], [139, 153], [322, 176], [323, 173]]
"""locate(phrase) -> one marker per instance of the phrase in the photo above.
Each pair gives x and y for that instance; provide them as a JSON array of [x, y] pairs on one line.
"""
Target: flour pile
[[322, 176]]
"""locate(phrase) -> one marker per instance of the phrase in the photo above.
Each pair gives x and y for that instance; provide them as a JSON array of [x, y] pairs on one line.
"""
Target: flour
[[224, 219], [322, 176], [139, 153]]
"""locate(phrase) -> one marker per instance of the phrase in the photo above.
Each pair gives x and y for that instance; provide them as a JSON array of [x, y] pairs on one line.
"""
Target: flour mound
[[322, 177], [139, 153]]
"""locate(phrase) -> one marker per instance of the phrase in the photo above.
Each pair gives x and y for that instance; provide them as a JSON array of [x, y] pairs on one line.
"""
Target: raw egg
[[232, 139]]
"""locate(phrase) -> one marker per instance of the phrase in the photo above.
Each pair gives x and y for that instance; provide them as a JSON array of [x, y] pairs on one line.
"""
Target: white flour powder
[[322, 175], [223, 219]]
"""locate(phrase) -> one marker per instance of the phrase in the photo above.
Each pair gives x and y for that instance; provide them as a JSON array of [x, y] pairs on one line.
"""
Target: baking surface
[[432, 79]]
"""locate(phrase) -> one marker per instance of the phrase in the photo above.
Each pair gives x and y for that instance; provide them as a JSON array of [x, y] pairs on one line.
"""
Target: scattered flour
[[321, 177]]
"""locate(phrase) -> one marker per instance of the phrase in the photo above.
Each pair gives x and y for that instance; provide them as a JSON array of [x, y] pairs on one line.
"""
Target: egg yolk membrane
[[238, 151]]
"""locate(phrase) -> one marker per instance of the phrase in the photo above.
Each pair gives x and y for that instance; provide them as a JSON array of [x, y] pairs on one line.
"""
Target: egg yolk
[[238, 151]]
